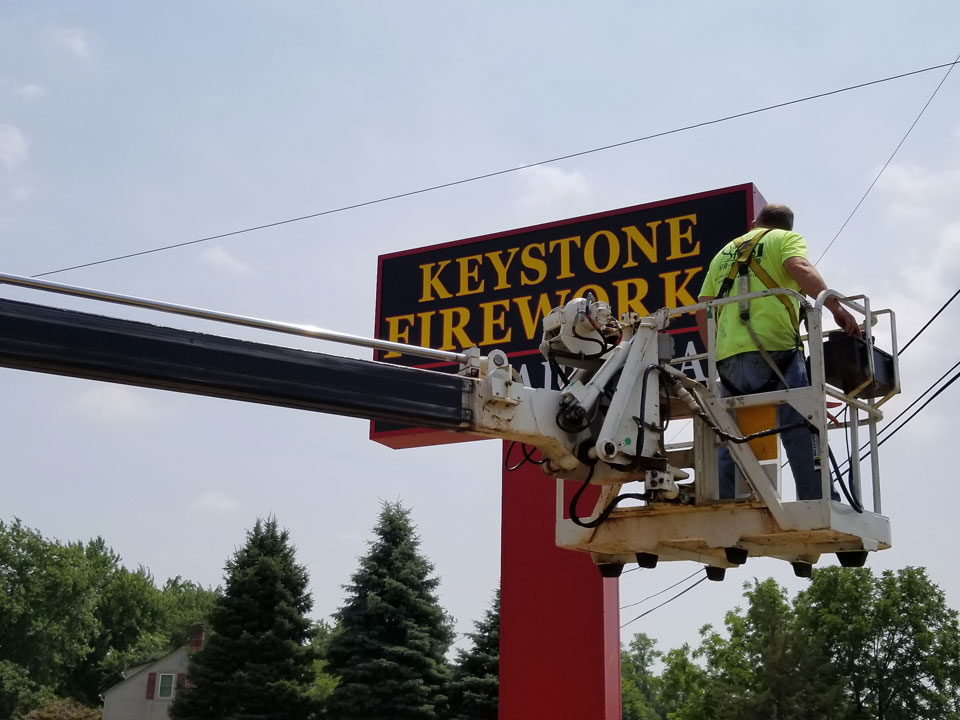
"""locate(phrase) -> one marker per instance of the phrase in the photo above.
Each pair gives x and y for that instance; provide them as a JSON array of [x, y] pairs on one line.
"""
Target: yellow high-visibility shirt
[[768, 316]]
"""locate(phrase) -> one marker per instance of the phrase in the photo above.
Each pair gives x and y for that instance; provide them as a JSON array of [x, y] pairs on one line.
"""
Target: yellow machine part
[[758, 419]]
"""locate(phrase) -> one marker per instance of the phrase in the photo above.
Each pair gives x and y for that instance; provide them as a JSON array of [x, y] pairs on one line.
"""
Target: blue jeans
[[749, 373]]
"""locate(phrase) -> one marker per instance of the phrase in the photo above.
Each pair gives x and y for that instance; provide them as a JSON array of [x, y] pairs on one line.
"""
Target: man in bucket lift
[[758, 346]]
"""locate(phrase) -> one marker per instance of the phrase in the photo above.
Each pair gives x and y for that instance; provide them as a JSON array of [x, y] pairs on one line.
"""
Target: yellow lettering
[[674, 296], [494, 319], [635, 237], [564, 245], [613, 251], [455, 328], [596, 290], [468, 273], [532, 263], [531, 320], [630, 295], [502, 267], [431, 281], [677, 235], [425, 318], [397, 334]]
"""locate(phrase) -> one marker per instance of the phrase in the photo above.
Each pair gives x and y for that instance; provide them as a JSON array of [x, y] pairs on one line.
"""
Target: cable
[[890, 159], [665, 602], [927, 324], [902, 413], [498, 173], [650, 597], [527, 457], [929, 400]]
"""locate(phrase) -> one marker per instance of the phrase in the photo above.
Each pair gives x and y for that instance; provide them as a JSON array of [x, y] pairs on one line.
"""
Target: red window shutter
[[151, 686], [181, 680]]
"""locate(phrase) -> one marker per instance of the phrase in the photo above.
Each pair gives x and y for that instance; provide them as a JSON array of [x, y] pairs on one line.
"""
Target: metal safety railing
[[309, 331], [811, 400]]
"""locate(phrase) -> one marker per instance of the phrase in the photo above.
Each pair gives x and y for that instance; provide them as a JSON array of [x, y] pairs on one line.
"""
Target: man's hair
[[776, 216]]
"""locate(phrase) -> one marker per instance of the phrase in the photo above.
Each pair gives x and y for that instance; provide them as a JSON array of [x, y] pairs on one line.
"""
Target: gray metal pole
[[310, 331]]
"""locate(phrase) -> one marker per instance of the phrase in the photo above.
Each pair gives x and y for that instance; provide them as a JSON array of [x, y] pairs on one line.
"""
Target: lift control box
[[846, 361]]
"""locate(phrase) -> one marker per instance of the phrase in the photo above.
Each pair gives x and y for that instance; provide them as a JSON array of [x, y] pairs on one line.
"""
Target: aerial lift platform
[[605, 426]]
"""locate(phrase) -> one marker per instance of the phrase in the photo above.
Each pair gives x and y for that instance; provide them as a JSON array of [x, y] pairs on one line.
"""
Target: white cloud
[[22, 193], [30, 91], [914, 185], [14, 147], [219, 258], [214, 502], [108, 403], [74, 40], [547, 189]]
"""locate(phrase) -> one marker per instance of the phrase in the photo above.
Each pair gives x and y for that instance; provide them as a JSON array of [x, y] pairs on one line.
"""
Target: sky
[[130, 126]]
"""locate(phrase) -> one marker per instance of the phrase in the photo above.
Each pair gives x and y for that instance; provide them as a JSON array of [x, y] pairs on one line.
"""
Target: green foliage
[[893, 639], [768, 667], [850, 646], [72, 618], [48, 600], [637, 682], [475, 687], [18, 692], [257, 662], [393, 634], [64, 709], [682, 687], [325, 682]]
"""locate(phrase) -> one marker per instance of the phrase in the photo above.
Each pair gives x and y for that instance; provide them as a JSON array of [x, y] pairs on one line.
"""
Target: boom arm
[[606, 426]]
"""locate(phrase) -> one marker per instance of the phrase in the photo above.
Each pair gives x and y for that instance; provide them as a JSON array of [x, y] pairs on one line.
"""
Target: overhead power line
[[497, 173], [890, 159], [894, 431], [650, 597], [665, 602], [927, 324]]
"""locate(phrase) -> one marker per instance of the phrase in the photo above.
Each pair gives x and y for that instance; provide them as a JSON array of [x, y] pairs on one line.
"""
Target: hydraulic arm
[[621, 385]]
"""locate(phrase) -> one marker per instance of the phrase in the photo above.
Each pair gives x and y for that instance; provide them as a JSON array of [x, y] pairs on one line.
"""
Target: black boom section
[[67, 342]]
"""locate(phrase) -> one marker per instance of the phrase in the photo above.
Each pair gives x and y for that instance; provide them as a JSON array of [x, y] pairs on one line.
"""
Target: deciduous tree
[[893, 640]]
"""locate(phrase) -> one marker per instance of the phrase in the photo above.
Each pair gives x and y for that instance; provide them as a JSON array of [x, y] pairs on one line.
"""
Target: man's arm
[[702, 319], [811, 282]]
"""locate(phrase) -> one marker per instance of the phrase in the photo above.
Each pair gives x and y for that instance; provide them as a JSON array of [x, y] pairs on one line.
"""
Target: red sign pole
[[559, 619]]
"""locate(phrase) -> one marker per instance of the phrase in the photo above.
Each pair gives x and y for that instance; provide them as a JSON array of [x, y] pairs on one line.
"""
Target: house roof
[[130, 673]]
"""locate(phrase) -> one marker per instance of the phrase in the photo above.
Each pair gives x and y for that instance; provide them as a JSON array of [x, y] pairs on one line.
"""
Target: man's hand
[[846, 321]]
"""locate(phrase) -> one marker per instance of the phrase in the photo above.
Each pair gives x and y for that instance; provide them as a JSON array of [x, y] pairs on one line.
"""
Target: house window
[[165, 687]]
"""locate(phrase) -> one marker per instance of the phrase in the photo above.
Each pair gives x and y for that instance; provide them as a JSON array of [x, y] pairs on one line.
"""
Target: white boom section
[[606, 428]]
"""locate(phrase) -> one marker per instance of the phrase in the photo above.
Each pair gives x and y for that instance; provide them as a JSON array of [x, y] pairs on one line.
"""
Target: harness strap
[[745, 262]]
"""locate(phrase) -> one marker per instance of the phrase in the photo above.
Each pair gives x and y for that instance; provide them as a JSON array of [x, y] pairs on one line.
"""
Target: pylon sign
[[493, 291]]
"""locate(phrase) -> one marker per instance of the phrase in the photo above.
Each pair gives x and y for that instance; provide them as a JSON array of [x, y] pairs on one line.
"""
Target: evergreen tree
[[389, 648], [257, 663], [475, 689]]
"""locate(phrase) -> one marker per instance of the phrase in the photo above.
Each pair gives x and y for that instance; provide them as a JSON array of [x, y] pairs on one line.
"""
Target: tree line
[[73, 617], [851, 645]]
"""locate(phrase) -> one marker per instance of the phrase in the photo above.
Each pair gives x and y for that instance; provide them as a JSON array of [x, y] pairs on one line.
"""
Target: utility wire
[[890, 159], [906, 409], [650, 597], [665, 602], [497, 173], [927, 324], [929, 400]]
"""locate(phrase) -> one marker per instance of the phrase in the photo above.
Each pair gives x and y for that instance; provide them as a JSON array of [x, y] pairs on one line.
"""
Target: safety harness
[[740, 271]]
